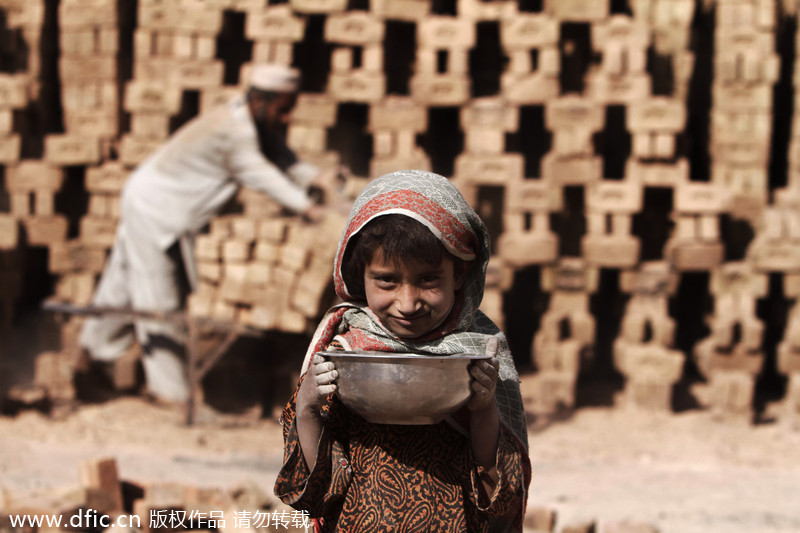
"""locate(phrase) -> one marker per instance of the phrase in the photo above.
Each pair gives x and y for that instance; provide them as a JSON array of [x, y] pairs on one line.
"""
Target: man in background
[[174, 194]]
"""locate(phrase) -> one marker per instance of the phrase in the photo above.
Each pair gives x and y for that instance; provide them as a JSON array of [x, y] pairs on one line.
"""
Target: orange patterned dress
[[379, 477]]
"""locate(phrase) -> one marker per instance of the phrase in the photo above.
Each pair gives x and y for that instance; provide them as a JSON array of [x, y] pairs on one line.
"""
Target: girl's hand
[[319, 382], [484, 379]]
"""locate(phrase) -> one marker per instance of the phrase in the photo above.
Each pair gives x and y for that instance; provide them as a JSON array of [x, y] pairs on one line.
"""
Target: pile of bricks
[[103, 502], [125, 79], [267, 273], [567, 333], [643, 351], [547, 520]]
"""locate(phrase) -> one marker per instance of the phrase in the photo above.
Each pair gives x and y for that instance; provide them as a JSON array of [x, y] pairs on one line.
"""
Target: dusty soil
[[683, 473]]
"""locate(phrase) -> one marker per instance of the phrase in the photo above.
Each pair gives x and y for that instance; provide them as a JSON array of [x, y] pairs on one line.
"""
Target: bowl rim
[[388, 356]]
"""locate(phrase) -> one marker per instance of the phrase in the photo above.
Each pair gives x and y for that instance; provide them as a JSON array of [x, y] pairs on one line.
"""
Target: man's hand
[[326, 187], [314, 214]]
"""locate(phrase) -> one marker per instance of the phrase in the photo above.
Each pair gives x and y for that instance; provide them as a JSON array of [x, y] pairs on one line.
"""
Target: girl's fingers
[[491, 367], [324, 390], [486, 372], [479, 389], [491, 347], [328, 377], [322, 368]]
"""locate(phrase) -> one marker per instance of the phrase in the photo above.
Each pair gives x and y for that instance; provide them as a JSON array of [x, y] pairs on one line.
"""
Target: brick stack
[[357, 59], [654, 123], [256, 264], [174, 49], [776, 249], [695, 243], [731, 357], [670, 22], [529, 239], [565, 341], [102, 499], [485, 122], [653, 119], [273, 30], [621, 77], [10, 271], [441, 70], [13, 95], [268, 273], [526, 37], [88, 66], [23, 19], [609, 208], [311, 118], [27, 18], [394, 123], [573, 121], [745, 71], [644, 352], [788, 361]]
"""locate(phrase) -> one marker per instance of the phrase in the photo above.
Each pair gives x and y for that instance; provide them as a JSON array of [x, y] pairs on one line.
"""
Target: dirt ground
[[683, 473]]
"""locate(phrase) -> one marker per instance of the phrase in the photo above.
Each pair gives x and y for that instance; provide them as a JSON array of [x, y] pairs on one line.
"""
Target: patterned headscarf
[[435, 202]]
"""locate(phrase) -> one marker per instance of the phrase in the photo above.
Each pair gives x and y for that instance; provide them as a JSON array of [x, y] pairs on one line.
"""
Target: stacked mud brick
[[643, 351], [90, 97], [173, 52], [16, 90], [731, 356], [174, 48], [548, 520], [10, 271], [104, 499], [789, 352], [776, 249], [267, 272], [655, 121], [23, 20], [566, 337], [746, 69], [13, 95], [259, 267], [485, 122], [564, 342]]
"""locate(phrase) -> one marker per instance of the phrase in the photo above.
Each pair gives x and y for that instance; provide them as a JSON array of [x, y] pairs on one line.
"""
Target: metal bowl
[[402, 388]]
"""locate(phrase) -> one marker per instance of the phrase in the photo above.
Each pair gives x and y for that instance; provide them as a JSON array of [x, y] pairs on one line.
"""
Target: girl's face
[[410, 297]]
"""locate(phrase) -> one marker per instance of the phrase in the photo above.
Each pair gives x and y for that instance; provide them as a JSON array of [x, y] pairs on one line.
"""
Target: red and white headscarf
[[435, 202]]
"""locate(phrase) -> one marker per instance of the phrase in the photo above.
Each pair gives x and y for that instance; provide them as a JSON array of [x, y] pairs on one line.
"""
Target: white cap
[[274, 78]]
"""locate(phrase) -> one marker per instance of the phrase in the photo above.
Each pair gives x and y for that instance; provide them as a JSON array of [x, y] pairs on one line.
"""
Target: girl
[[410, 268]]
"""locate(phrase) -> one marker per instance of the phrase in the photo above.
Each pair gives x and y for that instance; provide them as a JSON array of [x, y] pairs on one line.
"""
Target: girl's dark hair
[[398, 237]]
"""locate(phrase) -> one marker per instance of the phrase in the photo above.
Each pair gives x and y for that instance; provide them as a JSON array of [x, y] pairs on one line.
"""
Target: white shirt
[[180, 187]]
